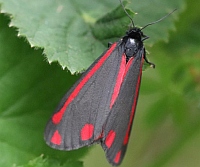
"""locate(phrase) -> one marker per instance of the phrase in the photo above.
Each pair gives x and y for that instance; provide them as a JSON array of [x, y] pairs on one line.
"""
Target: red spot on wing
[[126, 138], [110, 138], [117, 157], [56, 138], [119, 80], [58, 116], [87, 131]]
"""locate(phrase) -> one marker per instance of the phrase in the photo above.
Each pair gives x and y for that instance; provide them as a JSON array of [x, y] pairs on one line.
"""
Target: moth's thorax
[[133, 42]]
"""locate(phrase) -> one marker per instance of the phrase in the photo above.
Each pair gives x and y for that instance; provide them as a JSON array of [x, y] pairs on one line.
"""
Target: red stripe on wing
[[119, 80], [58, 116], [126, 138]]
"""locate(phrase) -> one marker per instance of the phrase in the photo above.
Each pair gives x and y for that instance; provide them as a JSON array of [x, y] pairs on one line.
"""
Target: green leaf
[[112, 26], [67, 32], [30, 90]]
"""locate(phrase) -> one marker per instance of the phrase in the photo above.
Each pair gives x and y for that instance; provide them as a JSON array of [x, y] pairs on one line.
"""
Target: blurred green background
[[166, 128]]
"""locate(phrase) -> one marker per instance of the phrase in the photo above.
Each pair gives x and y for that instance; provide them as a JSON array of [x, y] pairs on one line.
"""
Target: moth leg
[[151, 64]]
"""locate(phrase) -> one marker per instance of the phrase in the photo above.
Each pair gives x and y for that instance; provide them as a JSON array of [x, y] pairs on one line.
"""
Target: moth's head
[[135, 33]]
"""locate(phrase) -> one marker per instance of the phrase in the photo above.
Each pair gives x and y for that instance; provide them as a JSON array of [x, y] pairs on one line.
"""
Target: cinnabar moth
[[100, 107]]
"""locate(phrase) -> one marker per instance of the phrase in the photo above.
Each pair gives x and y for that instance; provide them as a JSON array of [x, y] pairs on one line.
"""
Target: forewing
[[119, 122], [79, 118]]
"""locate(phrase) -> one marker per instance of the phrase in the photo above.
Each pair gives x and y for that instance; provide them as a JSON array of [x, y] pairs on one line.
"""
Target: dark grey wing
[[118, 125], [79, 118]]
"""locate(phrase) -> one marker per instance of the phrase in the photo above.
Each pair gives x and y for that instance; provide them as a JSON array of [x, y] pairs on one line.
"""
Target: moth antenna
[[127, 13], [158, 20]]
